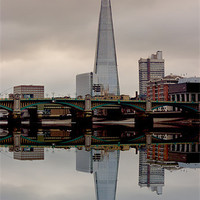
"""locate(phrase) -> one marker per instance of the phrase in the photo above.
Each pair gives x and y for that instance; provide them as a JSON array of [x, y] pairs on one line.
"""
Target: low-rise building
[[29, 91], [187, 89], [158, 89]]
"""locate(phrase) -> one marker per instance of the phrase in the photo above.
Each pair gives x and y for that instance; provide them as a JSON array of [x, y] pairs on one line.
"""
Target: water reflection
[[98, 151], [104, 166]]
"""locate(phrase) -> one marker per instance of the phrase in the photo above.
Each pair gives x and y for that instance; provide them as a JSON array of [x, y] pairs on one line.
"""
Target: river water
[[103, 162]]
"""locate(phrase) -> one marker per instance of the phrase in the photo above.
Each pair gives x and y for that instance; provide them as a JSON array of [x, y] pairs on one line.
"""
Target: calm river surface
[[104, 162]]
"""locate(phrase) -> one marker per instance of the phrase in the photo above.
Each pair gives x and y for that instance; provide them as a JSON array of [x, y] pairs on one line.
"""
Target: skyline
[[59, 43]]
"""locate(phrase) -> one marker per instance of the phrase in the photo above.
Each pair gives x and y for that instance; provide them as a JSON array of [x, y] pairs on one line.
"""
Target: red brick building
[[157, 89]]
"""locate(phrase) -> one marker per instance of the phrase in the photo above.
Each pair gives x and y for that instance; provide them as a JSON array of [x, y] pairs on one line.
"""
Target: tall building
[[151, 176], [29, 91], [105, 178], [104, 166], [150, 68], [106, 62]]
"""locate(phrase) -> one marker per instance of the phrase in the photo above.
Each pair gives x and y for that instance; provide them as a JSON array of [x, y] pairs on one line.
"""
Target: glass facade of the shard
[[105, 177], [105, 61]]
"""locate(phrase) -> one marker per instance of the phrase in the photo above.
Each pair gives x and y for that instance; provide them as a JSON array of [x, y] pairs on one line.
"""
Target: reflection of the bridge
[[98, 152]]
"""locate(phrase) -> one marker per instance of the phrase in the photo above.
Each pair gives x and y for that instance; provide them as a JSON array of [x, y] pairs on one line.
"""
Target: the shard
[[106, 61], [105, 177]]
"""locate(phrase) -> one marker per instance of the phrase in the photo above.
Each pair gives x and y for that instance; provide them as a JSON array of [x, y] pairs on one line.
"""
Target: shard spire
[[105, 60]]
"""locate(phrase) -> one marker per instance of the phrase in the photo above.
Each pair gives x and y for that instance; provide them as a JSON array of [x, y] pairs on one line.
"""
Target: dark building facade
[[185, 92]]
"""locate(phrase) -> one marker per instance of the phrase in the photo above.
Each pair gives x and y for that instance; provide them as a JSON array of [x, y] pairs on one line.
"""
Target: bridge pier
[[14, 118], [88, 139], [83, 118], [35, 119], [143, 121], [17, 140]]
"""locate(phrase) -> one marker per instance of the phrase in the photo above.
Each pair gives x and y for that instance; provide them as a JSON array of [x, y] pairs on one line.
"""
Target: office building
[[29, 91], [105, 61], [87, 83], [151, 176], [29, 153], [84, 162], [149, 69]]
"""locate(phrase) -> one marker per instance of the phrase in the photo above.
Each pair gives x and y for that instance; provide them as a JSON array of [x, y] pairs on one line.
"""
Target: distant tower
[[106, 61], [150, 68]]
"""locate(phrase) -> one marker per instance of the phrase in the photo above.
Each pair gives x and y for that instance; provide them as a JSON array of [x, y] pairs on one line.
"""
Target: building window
[[188, 97], [193, 97], [178, 97], [183, 97]]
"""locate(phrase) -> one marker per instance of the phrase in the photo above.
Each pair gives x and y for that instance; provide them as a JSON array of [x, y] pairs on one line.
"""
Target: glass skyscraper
[[104, 166], [106, 61]]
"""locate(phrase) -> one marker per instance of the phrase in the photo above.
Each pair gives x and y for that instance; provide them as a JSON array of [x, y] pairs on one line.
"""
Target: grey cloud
[[33, 30]]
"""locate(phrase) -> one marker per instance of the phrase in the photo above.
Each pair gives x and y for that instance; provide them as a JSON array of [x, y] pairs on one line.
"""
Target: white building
[[84, 162], [87, 83]]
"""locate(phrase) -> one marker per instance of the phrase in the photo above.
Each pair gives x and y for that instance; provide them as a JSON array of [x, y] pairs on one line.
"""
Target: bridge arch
[[6, 108], [56, 102], [102, 105], [136, 108]]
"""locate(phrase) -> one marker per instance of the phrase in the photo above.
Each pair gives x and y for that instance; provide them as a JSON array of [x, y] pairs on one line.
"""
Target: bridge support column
[[84, 118], [148, 105], [14, 118], [143, 121], [88, 135], [17, 140], [148, 140], [35, 119]]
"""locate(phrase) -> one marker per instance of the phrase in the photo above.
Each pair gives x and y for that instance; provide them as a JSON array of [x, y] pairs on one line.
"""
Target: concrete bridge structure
[[88, 140], [83, 108]]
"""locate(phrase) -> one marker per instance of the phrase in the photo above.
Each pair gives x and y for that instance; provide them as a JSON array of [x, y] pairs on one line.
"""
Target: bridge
[[83, 108], [87, 139], [17, 104]]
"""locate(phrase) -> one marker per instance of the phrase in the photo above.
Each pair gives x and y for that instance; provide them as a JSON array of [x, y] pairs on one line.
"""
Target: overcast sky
[[49, 42]]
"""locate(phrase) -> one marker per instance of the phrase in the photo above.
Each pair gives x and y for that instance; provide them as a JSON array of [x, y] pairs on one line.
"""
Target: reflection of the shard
[[104, 166]]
